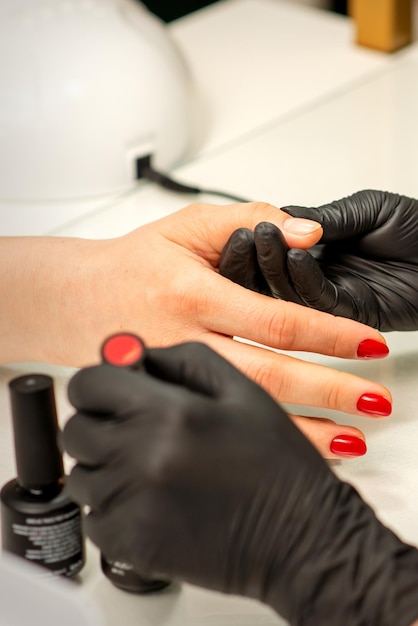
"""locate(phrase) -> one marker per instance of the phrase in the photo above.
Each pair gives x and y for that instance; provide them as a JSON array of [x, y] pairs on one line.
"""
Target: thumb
[[213, 224], [197, 367], [107, 390]]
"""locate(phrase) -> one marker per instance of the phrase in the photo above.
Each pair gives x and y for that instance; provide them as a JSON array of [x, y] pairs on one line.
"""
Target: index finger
[[232, 310]]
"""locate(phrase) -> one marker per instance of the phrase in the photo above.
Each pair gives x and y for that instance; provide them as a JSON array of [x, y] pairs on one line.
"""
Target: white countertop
[[292, 112]]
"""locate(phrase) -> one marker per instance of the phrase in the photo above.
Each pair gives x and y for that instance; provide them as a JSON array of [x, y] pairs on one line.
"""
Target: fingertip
[[375, 404], [242, 238], [267, 229], [301, 233], [347, 445], [333, 441], [372, 349], [296, 255]]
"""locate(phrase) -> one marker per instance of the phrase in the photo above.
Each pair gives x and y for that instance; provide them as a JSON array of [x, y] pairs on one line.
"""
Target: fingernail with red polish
[[374, 404], [348, 445], [372, 349]]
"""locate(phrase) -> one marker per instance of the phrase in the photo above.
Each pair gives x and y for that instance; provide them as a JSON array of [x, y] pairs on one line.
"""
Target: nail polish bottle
[[126, 350], [38, 521], [123, 576]]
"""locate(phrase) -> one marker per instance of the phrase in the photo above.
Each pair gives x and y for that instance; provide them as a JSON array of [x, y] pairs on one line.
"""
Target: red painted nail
[[374, 404], [372, 349], [348, 445]]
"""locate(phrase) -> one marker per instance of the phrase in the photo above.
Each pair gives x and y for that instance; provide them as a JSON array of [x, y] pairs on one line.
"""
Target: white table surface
[[292, 112]]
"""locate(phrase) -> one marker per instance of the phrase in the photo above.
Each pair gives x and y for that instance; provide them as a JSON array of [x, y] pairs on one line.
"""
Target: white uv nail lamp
[[86, 88]]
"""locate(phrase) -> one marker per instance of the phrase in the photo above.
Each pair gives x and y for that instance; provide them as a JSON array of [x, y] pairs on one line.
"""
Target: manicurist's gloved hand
[[365, 268], [193, 472]]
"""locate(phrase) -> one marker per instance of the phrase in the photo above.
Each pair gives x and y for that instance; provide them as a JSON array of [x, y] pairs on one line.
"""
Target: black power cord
[[145, 170]]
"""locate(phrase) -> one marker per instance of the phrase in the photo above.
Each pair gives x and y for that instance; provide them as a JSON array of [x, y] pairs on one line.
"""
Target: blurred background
[[171, 11]]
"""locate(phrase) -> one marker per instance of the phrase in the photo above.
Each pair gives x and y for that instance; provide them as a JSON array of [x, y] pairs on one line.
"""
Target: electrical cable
[[144, 170]]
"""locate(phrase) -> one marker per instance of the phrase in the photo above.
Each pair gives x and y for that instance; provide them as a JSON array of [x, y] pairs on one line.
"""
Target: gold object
[[384, 25]]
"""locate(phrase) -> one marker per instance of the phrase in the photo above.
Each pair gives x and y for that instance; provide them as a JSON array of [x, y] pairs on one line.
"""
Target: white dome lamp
[[87, 87]]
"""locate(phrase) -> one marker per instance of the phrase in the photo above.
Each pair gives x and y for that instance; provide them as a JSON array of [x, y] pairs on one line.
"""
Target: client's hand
[[162, 280], [366, 269], [196, 474]]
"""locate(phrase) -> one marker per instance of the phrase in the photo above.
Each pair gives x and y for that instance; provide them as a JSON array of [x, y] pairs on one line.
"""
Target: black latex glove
[[365, 267], [196, 474]]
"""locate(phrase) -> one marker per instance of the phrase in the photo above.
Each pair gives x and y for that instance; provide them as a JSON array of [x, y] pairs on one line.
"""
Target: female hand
[[194, 473], [365, 268], [162, 281]]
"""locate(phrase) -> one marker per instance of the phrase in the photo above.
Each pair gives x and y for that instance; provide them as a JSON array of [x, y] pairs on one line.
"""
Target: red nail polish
[[374, 404], [372, 349], [348, 445]]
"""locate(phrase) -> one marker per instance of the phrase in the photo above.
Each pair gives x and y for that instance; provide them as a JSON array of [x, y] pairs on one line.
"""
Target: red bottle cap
[[123, 350]]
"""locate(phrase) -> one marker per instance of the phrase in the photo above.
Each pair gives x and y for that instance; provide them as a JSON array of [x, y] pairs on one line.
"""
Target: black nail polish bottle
[[123, 576], [38, 520]]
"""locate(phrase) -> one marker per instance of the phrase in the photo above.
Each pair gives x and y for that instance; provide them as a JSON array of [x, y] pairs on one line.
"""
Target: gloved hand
[[194, 473], [365, 267]]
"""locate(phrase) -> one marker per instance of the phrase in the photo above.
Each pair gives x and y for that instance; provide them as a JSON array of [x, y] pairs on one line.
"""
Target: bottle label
[[54, 540], [123, 575]]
